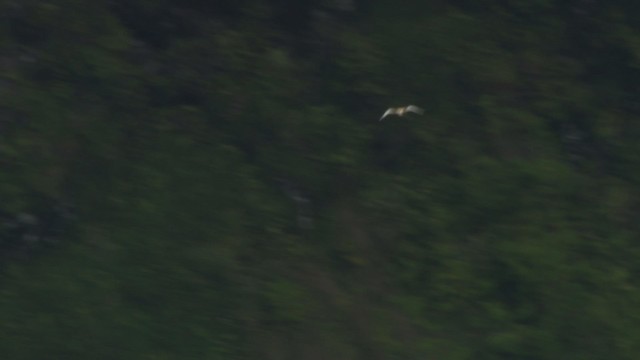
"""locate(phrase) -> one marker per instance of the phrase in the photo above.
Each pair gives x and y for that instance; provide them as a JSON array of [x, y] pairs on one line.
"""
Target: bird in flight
[[401, 111]]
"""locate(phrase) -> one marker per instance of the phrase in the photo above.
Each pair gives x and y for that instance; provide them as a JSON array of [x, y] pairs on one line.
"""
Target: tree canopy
[[209, 180]]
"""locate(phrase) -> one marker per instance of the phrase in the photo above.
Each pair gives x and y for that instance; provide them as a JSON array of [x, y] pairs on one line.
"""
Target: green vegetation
[[235, 197]]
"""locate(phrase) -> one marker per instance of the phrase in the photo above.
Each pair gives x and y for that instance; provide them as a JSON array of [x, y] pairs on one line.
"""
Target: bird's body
[[401, 111]]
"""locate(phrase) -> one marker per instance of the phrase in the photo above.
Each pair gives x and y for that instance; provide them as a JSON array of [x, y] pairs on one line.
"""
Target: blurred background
[[209, 180]]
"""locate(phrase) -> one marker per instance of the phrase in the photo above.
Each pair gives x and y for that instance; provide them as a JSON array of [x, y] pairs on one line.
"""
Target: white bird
[[401, 111]]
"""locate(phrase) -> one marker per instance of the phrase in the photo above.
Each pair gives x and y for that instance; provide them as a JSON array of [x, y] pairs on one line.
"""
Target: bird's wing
[[389, 111], [415, 109]]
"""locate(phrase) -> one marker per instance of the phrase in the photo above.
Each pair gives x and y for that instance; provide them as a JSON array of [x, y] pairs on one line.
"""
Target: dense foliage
[[208, 179]]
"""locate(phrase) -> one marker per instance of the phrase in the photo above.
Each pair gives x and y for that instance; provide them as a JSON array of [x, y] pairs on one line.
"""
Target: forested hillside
[[209, 179]]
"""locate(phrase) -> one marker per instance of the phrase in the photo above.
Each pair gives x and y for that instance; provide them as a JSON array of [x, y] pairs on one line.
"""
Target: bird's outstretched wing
[[389, 111], [415, 109]]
